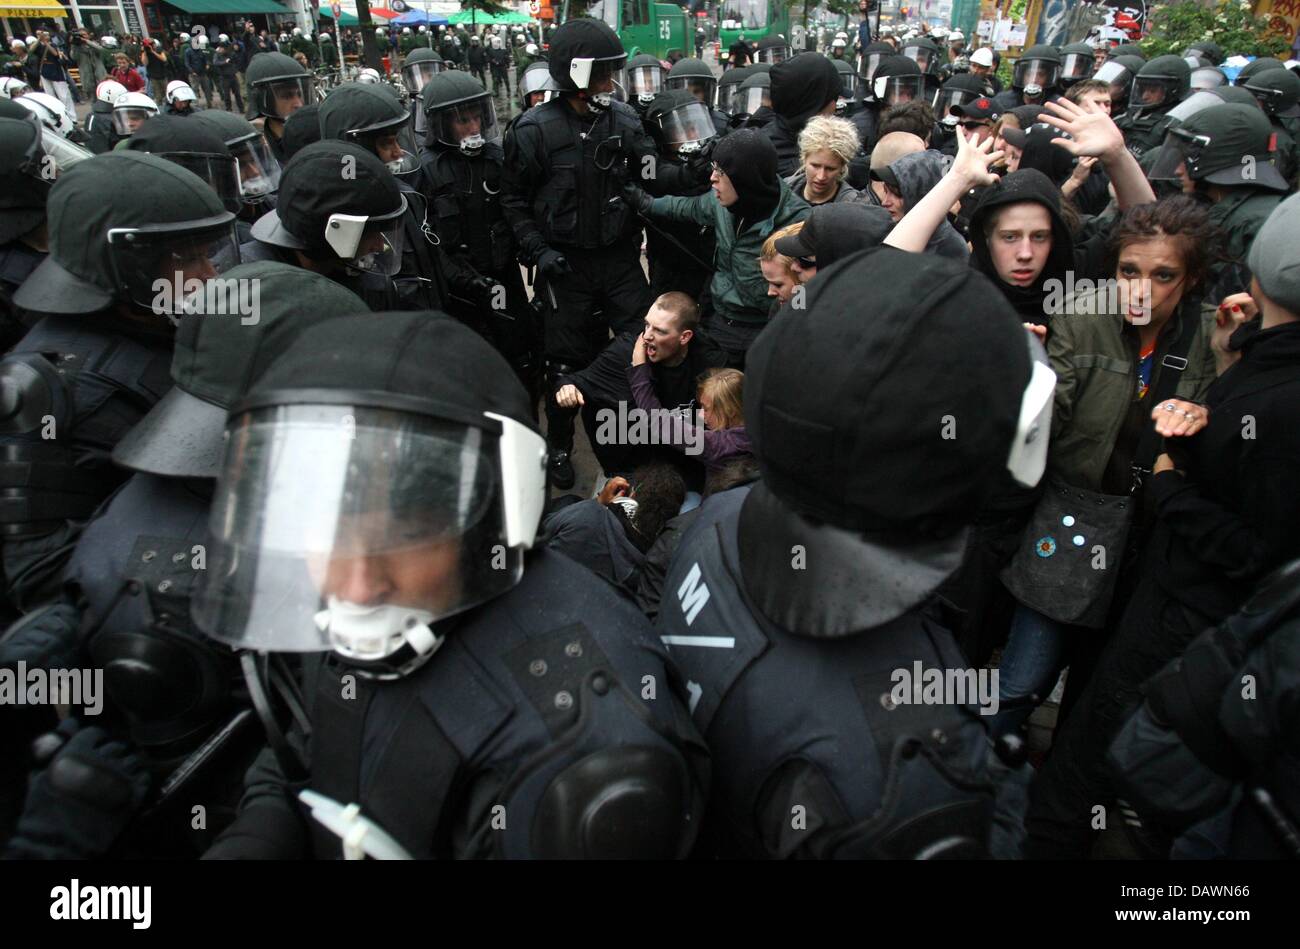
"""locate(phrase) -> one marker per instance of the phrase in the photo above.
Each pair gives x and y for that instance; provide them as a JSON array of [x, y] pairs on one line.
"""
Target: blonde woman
[[826, 146], [778, 269]]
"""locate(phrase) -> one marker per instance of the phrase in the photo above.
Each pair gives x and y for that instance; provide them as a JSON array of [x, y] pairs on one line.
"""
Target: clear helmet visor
[[773, 54], [703, 89], [1207, 77], [919, 55], [647, 81], [417, 75], [896, 90], [158, 267], [1196, 102], [1150, 92], [1036, 74], [62, 152], [221, 172], [688, 127], [281, 98], [1119, 77], [1076, 67], [1178, 156], [330, 520], [750, 100], [395, 147], [259, 171], [850, 85], [126, 121], [727, 97], [870, 63], [371, 246], [947, 98], [466, 125]]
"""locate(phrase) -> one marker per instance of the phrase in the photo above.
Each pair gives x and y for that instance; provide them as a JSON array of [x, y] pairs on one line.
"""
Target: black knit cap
[[890, 399]]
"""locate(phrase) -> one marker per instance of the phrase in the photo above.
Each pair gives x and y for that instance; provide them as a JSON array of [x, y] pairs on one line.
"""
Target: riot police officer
[[351, 229], [486, 703], [805, 614], [536, 86], [176, 696], [1277, 89], [259, 172], [1119, 72], [566, 163], [371, 117], [925, 53], [1035, 79], [93, 365], [417, 69], [101, 136], [462, 173], [695, 76], [645, 80], [1078, 62], [277, 87], [1159, 86]]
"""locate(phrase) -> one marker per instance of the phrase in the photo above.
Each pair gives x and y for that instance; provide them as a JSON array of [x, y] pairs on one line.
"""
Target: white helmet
[[369, 74], [379, 31], [841, 35], [223, 38], [132, 102], [838, 43], [11, 88], [108, 42], [283, 38], [30, 41], [185, 37], [202, 41], [531, 49], [406, 31], [297, 31], [109, 90], [178, 91], [956, 37], [423, 28], [324, 37], [50, 111]]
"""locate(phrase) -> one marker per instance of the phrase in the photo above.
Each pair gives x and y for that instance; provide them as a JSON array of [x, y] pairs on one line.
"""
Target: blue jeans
[[1031, 663]]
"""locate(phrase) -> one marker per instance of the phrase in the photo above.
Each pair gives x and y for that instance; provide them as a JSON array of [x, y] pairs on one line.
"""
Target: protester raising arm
[[1094, 134], [970, 169]]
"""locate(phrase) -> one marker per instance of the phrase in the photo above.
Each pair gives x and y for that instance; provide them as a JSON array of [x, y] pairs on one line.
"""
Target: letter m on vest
[[693, 594]]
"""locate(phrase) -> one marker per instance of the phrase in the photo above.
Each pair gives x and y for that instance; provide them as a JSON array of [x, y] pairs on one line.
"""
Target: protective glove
[[553, 264], [78, 806], [45, 638], [636, 199], [700, 165]]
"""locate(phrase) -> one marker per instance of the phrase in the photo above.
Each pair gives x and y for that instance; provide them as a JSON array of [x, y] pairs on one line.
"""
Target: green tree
[[1231, 24]]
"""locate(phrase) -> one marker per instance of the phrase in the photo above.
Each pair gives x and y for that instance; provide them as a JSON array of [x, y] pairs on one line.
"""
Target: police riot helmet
[[25, 177], [278, 85], [753, 94], [420, 66], [1078, 61], [644, 77], [1230, 145], [49, 110], [369, 116], [1161, 83], [925, 53], [179, 91], [1037, 71], [356, 220], [259, 171], [682, 123], [772, 50], [193, 146], [536, 85], [459, 113], [695, 76], [347, 458], [871, 57], [1277, 90], [586, 53], [131, 110], [12, 87], [108, 246]]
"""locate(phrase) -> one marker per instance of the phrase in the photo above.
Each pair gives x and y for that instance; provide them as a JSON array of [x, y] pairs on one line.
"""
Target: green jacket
[[1239, 217], [739, 289], [1095, 358]]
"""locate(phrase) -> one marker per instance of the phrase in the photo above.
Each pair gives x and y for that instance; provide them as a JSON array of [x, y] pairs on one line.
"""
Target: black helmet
[[871, 58], [899, 79], [195, 146], [364, 113], [957, 91], [1278, 91], [695, 76], [459, 113], [421, 65], [925, 53], [1037, 71], [751, 93], [645, 78], [729, 85], [1119, 73], [680, 122], [122, 226], [338, 201], [1230, 145], [259, 171], [850, 82], [1204, 75], [585, 53], [25, 177], [1206, 49], [1256, 66], [278, 85], [1161, 83], [772, 50], [1077, 62]]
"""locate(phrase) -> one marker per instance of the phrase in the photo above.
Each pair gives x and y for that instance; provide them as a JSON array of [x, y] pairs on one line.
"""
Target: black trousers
[[1155, 628], [606, 291]]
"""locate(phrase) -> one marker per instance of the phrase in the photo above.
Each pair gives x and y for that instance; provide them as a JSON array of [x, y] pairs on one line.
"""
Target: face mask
[[373, 633], [471, 144], [254, 188], [601, 101]]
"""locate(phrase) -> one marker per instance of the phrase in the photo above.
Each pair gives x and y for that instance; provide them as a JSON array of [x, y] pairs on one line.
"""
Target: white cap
[[178, 91], [982, 57], [956, 37]]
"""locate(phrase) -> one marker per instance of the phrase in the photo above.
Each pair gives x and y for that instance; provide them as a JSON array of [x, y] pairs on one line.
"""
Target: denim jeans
[[1031, 663]]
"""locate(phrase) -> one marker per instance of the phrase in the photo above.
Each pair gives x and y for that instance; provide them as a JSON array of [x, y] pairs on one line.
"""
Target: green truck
[[647, 27], [756, 19]]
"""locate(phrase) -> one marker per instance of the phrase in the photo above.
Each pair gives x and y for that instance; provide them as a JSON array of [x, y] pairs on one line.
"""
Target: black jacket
[[1231, 518], [604, 380]]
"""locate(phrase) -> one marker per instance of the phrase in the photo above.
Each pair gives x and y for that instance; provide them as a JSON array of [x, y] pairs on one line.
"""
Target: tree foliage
[[1231, 24]]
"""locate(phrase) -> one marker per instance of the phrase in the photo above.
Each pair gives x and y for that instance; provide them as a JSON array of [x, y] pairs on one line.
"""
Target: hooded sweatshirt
[[915, 175], [801, 88], [752, 168], [1027, 185]]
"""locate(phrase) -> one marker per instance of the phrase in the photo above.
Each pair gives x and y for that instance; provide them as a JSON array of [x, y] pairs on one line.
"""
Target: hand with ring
[[1178, 418]]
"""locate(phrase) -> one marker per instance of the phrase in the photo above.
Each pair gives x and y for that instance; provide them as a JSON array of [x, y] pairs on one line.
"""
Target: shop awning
[[32, 8], [230, 6]]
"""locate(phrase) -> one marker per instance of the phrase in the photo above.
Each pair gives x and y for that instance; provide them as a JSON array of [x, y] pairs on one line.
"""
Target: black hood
[[801, 87], [749, 159], [1026, 185]]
